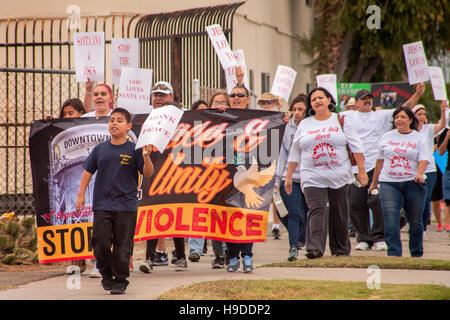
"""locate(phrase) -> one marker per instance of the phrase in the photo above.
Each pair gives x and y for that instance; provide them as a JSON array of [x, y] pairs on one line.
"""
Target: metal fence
[[36, 74]]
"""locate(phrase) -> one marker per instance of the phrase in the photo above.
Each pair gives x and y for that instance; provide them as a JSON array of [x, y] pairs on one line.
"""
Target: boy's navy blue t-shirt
[[117, 167]]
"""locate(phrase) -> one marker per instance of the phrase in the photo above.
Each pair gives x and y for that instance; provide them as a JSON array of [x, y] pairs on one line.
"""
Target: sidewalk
[[150, 286]]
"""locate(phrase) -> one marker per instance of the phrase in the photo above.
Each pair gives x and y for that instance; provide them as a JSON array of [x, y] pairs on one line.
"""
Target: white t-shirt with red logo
[[321, 149], [401, 154]]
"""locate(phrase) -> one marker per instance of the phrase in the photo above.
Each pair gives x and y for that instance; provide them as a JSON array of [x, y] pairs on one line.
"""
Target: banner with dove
[[214, 180]]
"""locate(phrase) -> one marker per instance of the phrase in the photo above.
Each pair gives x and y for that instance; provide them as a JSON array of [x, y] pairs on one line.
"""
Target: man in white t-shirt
[[370, 126]]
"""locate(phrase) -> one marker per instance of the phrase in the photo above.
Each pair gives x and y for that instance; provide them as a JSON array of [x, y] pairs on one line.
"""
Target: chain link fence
[[27, 95]]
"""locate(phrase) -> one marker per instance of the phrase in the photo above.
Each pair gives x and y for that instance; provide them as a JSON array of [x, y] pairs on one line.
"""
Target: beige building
[[37, 60]]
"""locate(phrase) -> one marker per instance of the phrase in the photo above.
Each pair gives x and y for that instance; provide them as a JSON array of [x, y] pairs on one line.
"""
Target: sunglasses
[[240, 95], [221, 103], [266, 102], [160, 87]]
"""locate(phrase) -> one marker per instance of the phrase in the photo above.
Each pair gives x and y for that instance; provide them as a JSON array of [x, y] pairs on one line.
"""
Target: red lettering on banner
[[178, 224], [250, 224], [221, 223], [234, 216], [196, 219], [169, 223]]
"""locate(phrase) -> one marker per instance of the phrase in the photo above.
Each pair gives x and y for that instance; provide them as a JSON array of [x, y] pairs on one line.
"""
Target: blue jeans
[[410, 196], [245, 249], [296, 219], [196, 245], [431, 180]]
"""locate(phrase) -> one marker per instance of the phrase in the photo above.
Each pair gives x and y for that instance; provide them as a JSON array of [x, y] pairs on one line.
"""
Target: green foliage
[[401, 22], [18, 241]]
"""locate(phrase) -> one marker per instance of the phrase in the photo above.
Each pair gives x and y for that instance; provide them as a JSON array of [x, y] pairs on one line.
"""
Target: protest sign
[[438, 83], [135, 89], [124, 53], [230, 74], [196, 191], [328, 81], [283, 82], [159, 127], [389, 95], [89, 48], [416, 62], [220, 44], [347, 90]]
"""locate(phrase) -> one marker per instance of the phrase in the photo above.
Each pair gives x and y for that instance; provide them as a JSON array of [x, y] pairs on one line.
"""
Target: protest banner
[[89, 49], [135, 90], [284, 82], [416, 62], [214, 180], [159, 127], [221, 46], [438, 83], [389, 95], [124, 53], [328, 81], [230, 74]]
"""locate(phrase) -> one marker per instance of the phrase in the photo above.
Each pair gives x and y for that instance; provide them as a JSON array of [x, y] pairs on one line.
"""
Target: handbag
[[351, 156]]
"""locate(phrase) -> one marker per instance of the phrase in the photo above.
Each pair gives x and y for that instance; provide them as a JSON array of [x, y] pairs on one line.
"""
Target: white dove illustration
[[246, 180]]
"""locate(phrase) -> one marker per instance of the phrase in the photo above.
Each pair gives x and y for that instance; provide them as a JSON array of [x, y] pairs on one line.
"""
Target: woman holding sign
[[103, 98], [320, 147]]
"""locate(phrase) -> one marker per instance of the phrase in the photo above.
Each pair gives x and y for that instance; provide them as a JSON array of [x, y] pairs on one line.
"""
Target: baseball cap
[[162, 87], [363, 93]]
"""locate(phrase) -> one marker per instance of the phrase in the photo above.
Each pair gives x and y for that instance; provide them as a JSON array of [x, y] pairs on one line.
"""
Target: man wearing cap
[[162, 94], [370, 126]]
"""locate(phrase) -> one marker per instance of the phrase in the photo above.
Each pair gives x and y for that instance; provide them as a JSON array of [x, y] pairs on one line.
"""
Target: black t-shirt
[[117, 168], [440, 140]]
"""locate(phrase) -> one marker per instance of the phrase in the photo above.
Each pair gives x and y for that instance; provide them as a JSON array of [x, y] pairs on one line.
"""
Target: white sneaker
[[95, 273], [380, 246], [363, 246]]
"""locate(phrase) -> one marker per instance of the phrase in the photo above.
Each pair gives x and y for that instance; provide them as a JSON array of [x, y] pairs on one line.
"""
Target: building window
[[265, 82]]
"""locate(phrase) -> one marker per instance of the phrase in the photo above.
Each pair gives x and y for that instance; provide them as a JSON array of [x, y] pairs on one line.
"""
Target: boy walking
[[117, 164]]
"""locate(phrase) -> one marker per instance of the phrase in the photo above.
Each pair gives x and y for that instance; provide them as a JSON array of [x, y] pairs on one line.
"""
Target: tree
[[342, 42]]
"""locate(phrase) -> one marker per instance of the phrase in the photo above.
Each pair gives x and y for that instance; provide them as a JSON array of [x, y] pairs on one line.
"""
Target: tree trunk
[[357, 73], [345, 49], [374, 62]]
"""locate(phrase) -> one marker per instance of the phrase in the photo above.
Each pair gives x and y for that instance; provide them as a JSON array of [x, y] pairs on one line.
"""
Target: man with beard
[[370, 126]]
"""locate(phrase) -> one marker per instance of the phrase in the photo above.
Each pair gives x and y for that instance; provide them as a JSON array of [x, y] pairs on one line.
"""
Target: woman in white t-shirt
[[400, 169], [320, 146], [429, 131]]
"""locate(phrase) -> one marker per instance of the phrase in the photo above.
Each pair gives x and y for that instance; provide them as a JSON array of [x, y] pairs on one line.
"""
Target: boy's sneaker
[[439, 227], [293, 254], [181, 264], [160, 259], [107, 284], [247, 264], [218, 263], [363, 246], [276, 233], [118, 288], [301, 246], [95, 273], [234, 265], [447, 228], [380, 246], [146, 266], [194, 257]]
